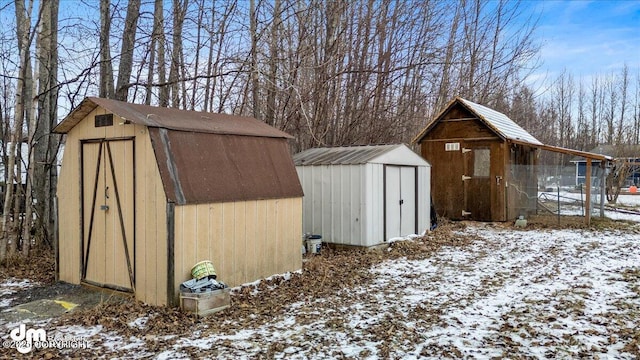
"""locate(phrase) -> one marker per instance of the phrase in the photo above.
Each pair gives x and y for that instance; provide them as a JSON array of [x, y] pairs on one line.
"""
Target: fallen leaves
[[346, 297]]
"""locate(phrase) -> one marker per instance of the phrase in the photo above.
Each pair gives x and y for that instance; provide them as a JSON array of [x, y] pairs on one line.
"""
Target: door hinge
[[466, 213], [465, 177], [466, 150]]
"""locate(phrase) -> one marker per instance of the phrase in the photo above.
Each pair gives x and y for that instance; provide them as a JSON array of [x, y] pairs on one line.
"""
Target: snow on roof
[[496, 121], [500, 123]]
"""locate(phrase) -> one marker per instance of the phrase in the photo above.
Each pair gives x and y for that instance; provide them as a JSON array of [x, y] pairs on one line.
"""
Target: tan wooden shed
[[483, 163], [144, 193]]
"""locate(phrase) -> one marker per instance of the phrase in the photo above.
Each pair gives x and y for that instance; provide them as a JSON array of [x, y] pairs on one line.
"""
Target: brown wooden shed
[[482, 163], [144, 193]]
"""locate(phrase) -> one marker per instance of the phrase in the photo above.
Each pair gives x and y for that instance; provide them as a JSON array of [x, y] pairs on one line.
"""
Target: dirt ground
[[320, 276]]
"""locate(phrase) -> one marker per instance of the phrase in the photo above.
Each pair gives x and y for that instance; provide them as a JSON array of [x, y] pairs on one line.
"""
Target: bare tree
[[24, 90], [126, 52], [106, 68]]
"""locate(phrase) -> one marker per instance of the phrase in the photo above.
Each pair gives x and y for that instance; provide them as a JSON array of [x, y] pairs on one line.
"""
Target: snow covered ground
[[510, 293]]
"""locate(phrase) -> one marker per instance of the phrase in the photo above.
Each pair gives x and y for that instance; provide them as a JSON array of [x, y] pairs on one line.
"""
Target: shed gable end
[[460, 129], [103, 120]]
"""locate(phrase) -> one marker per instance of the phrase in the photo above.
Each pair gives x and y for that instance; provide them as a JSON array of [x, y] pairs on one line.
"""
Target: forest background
[[327, 72]]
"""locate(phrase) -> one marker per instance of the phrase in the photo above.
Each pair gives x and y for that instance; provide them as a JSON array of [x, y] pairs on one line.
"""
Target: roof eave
[[75, 116]]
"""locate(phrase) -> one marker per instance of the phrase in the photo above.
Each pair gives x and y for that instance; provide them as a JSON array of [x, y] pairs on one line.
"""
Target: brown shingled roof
[[173, 119]]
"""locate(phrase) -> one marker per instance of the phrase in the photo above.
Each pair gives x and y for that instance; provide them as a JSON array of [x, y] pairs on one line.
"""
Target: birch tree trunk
[[8, 223], [43, 143]]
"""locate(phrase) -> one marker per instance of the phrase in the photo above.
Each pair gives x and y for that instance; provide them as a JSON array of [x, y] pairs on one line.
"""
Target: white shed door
[[400, 201]]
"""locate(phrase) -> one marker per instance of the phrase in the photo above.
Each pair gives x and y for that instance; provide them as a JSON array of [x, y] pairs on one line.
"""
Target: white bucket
[[314, 244]]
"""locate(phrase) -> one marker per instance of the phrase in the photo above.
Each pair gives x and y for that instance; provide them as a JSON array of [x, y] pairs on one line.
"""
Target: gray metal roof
[[348, 155], [500, 123]]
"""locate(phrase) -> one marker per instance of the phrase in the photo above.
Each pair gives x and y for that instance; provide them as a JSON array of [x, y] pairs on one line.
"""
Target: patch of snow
[[12, 285], [510, 293], [139, 322]]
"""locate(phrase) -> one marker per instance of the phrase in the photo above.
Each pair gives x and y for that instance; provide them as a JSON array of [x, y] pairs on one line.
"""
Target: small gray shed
[[364, 195]]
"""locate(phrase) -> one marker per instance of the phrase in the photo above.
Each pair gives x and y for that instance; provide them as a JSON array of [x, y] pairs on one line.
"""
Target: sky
[[587, 37]]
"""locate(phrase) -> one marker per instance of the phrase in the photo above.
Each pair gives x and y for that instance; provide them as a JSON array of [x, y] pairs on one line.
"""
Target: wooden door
[[477, 182], [400, 201], [108, 218]]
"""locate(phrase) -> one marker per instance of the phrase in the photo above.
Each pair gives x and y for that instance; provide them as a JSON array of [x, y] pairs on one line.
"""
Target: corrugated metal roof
[[204, 167], [498, 122], [501, 123], [349, 155], [170, 118]]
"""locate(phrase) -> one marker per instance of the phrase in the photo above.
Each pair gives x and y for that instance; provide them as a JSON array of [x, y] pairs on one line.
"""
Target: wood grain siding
[[245, 240], [149, 199], [447, 168], [461, 129]]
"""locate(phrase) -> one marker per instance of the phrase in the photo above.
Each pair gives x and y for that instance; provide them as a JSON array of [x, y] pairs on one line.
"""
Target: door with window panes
[[477, 181]]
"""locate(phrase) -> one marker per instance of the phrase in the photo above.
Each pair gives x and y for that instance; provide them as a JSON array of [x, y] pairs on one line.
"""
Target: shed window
[[104, 120], [452, 147], [481, 162]]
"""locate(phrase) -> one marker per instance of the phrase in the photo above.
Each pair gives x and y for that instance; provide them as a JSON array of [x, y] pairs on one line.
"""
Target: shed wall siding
[[374, 205], [345, 203], [334, 204], [460, 129], [245, 240], [424, 198], [150, 231]]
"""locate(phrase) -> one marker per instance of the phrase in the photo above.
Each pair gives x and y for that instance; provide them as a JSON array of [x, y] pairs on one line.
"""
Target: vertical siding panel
[[327, 200], [240, 240], [203, 236], [354, 204], [188, 241], [147, 225], [335, 175], [280, 249], [378, 204], [368, 210], [261, 238], [179, 254], [271, 235], [293, 232], [217, 243], [284, 246], [229, 246], [252, 254], [153, 245], [69, 205], [296, 228]]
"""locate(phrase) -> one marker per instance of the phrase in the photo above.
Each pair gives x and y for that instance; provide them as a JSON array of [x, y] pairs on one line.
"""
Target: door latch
[[104, 207], [464, 177], [401, 201], [466, 213]]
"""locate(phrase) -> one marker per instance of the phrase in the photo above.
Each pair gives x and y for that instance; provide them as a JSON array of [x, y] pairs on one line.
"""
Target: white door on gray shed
[[400, 201]]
